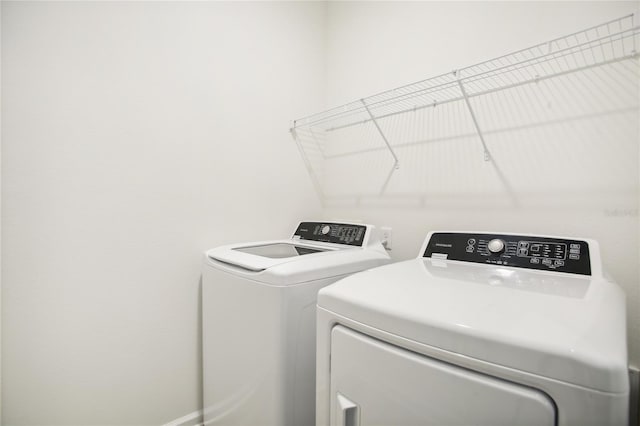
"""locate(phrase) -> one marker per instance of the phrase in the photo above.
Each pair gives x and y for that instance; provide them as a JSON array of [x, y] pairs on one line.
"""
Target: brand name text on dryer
[[443, 245]]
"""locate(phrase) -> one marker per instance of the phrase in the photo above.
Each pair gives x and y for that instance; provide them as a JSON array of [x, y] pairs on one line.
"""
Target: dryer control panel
[[338, 233], [522, 251]]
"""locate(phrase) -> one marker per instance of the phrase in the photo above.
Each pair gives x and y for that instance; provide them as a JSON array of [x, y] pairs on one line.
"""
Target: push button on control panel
[[574, 252], [470, 245], [496, 246]]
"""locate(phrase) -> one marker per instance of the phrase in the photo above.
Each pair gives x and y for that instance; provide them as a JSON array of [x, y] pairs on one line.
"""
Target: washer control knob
[[325, 229], [496, 246]]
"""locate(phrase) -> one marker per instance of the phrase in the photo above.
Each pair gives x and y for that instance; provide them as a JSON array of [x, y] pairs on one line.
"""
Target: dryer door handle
[[348, 412]]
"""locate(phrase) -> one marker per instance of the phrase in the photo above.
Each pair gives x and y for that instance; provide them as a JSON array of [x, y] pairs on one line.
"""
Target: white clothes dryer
[[258, 320], [480, 329]]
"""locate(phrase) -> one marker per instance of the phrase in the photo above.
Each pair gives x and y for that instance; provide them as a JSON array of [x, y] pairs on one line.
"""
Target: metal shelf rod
[[487, 155], [384, 138]]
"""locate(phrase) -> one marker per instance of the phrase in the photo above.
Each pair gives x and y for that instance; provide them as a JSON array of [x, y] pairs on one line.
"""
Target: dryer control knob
[[496, 246]]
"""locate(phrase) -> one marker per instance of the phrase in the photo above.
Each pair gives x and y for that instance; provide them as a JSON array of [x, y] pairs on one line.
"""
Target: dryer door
[[375, 383]]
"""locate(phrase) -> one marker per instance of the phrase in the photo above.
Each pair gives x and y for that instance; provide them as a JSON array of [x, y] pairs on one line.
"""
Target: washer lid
[[279, 250], [566, 327], [259, 256], [290, 262]]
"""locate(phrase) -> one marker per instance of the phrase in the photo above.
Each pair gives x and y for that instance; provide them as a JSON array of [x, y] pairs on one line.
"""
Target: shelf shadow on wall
[[573, 134]]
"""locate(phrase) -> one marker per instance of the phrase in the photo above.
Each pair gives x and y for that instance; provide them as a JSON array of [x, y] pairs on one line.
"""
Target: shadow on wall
[[561, 133]]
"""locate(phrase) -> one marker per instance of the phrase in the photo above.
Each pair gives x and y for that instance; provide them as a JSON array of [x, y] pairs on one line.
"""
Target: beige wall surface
[[135, 136]]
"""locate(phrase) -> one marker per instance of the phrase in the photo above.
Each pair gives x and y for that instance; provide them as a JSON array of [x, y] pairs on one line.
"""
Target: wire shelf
[[605, 44], [609, 42]]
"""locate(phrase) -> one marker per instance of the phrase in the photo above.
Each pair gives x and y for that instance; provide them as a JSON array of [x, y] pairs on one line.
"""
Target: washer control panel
[[338, 233], [522, 251]]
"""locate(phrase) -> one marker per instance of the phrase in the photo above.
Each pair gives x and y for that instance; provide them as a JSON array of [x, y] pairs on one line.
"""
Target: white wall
[[587, 169], [136, 135], [0, 221]]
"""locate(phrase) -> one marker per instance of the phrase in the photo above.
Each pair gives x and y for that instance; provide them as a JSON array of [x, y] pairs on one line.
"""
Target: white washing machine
[[480, 329], [258, 320]]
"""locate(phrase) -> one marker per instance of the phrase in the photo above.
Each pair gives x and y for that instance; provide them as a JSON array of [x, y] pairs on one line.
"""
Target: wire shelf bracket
[[396, 165], [307, 163], [487, 154]]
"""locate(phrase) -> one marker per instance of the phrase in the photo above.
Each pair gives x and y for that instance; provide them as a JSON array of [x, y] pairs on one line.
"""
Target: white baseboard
[[634, 397], [191, 419]]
